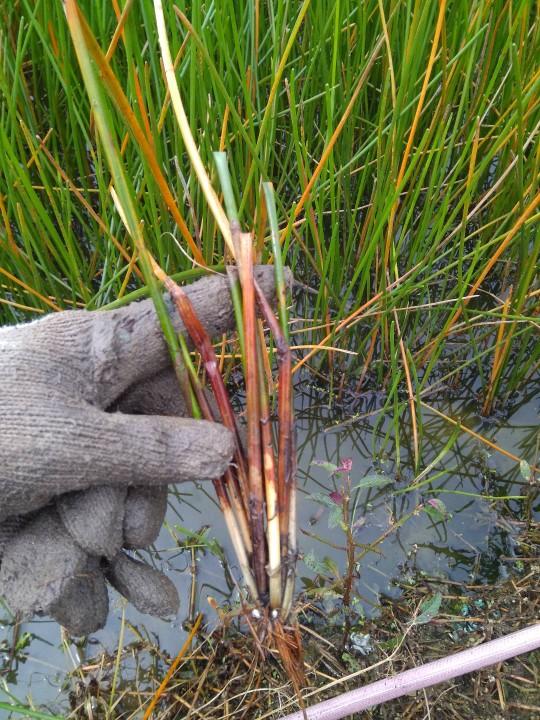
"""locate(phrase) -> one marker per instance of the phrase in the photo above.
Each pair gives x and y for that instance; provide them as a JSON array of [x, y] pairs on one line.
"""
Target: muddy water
[[474, 546]]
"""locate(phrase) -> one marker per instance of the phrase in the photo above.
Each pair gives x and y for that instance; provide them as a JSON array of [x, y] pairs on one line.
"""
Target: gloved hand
[[79, 482]]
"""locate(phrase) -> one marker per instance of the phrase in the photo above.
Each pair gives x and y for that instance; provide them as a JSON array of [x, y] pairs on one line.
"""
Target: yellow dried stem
[[196, 161]]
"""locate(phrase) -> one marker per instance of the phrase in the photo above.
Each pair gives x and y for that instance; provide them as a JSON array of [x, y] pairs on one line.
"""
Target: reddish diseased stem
[[286, 470], [229, 485], [230, 478], [203, 344], [290, 570]]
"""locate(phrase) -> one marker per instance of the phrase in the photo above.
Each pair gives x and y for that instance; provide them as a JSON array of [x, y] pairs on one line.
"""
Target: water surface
[[474, 546]]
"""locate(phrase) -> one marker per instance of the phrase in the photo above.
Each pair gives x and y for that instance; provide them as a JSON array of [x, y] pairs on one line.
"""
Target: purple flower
[[346, 465]]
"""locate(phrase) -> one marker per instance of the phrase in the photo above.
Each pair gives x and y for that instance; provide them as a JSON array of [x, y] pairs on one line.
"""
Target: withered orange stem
[[204, 345], [255, 472], [173, 667]]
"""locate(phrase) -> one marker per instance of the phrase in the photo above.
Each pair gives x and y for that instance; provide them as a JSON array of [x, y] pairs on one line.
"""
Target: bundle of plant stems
[[257, 494]]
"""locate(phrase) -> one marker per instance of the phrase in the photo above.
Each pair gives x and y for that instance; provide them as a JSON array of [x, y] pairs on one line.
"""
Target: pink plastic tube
[[423, 676]]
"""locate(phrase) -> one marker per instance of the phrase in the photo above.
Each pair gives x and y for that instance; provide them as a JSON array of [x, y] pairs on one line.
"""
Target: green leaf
[[428, 609], [525, 470], [437, 509], [328, 466], [392, 643], [27, 712], [334, 516], [323, 499], [315, 564], [352, 662], [373, 480], [332, 566], [321, 567], [200, 537]]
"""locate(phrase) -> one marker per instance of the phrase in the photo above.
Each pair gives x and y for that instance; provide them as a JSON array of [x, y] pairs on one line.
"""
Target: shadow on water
[[474, 546]]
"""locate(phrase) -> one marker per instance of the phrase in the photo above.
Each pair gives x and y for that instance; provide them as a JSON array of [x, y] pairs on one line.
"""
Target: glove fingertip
[[83, 607], [147, 589], [198, 449], [94, 518], [38, 565], [144, 512]]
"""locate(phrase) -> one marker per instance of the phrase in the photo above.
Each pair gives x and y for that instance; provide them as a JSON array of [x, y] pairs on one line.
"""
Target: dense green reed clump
[[402, 140]]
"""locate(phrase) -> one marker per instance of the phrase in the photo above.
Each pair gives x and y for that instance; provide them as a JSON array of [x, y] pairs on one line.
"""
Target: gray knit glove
[[80, 479]]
